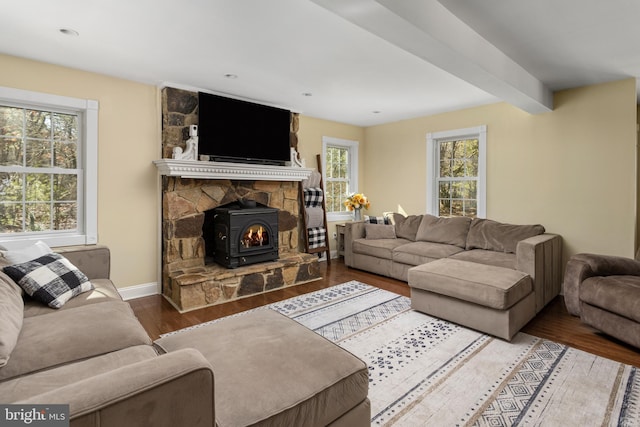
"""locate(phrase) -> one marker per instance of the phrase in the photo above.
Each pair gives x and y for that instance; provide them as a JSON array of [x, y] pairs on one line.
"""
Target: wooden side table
[[340, 239]]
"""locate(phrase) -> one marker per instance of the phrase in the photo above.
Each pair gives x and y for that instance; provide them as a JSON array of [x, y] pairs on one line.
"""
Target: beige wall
[[310, 144], [129, 140], [572, 170]]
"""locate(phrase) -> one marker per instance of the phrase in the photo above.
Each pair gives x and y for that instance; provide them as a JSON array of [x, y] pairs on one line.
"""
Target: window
[[457, 172], [48, 169], [340, 175]]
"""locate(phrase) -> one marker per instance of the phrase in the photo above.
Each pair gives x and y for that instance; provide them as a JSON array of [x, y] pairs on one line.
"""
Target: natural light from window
[[48, 161]]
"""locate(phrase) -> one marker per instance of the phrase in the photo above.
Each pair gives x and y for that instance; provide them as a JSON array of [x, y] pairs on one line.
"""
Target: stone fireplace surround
[[189, 188]]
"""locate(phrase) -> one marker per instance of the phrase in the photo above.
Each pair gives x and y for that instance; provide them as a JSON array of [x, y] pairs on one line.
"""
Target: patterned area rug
[[425, 371]]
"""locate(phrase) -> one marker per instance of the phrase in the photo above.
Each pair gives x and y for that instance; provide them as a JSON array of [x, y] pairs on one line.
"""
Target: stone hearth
[[188, 282], [202, 286]]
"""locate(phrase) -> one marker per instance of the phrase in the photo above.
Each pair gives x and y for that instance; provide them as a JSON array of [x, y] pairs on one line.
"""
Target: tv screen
[[231, 130]]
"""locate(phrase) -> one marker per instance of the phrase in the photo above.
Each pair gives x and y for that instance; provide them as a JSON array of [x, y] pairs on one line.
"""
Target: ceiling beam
[[428, 30]]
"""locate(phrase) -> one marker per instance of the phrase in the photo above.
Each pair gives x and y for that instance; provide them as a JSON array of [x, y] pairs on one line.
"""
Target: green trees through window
[[457, 180], [39, 172], [457, 172], [337, 178]]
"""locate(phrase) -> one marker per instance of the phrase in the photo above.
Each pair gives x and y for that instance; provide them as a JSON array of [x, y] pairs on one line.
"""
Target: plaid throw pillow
[[313, 197], [50, 279], [377, 219]]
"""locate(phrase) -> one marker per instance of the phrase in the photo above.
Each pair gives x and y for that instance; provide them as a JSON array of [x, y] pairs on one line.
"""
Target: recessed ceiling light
[[69, 32], [231, 76]]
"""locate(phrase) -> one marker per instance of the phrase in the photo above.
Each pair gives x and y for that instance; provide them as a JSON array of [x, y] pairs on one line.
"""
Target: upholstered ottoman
[[271, 371], [495, 300]]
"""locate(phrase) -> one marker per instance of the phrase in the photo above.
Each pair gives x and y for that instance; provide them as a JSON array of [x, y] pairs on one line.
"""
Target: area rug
[[424, 371]]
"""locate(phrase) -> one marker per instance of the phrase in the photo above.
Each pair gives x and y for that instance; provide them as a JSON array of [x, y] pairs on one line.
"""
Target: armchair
[[604, 291]]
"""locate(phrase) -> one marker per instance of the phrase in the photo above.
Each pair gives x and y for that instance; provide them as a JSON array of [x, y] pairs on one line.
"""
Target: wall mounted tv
[[231, 130]]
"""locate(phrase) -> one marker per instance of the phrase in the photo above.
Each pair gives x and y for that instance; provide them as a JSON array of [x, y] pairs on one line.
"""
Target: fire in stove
[[255, 235]]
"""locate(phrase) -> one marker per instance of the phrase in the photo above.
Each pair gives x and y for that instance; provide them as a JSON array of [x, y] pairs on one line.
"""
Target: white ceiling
[[365, 62]]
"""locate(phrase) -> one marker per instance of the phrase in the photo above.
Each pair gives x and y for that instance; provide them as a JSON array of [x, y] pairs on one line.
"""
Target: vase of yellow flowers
[[355, 203]]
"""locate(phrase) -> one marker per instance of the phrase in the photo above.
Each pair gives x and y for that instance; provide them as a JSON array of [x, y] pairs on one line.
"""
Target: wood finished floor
[[554, 323]]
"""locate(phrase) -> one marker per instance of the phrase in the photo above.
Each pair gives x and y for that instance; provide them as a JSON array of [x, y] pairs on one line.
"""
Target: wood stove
[[241, 233]]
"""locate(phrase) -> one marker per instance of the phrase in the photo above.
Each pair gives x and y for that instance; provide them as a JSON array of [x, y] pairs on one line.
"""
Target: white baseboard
[[139, 291]]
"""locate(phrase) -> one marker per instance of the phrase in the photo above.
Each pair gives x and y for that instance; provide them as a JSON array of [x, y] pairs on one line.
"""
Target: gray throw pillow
[[450, 231], [497, 236], [379, 231], [407, 227]]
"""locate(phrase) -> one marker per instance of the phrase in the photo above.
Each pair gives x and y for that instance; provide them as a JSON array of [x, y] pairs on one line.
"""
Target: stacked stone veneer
[[187, 280]]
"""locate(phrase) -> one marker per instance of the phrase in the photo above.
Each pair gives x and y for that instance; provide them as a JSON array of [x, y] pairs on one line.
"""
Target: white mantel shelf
[[219, 170]]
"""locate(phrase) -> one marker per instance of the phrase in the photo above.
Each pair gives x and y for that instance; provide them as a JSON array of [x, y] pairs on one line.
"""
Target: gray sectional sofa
[[480, 273], [95, 356]]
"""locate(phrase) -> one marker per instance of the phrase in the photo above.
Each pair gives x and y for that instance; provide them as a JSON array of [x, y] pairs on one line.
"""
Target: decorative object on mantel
[[191, 153], [296, 161], [355, 203], [314, 218]]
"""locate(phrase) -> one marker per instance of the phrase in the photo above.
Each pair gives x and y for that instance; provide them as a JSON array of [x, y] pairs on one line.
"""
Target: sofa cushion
[[380, 248], [93, 260], [407, 227], [616, 294], [451, 231], [104, 290], [486, 285], [292, 376], [50, 279], [11, 315], [416, 253], [481, 256], [497, 236], [25, 386], [379, 231], [74, 334]]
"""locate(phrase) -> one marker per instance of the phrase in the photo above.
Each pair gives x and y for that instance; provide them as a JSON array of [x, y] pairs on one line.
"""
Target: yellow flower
[[357, 201]]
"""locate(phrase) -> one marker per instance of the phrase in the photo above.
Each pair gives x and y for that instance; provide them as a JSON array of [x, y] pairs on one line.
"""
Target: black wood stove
[[241, 233]]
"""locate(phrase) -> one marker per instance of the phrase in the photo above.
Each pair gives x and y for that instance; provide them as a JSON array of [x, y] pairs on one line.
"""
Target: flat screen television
[[231, 130]]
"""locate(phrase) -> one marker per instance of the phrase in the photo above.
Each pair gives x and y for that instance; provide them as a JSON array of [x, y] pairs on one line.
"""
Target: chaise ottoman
[[495, 300], [271, 371]]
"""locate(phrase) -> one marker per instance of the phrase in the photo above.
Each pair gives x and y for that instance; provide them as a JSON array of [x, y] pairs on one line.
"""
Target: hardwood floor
[[554, 322]]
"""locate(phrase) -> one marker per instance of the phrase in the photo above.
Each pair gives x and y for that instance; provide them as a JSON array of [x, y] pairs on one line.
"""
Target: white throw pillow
[[34, 251]]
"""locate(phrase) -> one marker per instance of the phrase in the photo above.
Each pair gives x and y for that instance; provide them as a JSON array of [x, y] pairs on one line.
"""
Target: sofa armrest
[[541, 258], [175, 389], [352, 231], [582, 266]]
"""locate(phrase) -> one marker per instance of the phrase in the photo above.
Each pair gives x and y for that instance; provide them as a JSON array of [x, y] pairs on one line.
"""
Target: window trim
[[87, 110], [433, 138], [352, 146]]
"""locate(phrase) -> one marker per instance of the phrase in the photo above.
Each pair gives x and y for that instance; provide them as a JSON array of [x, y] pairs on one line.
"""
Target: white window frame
[[87, 110], [352, 146], [433, 166]]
